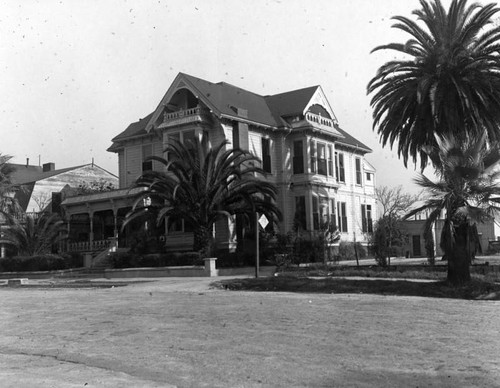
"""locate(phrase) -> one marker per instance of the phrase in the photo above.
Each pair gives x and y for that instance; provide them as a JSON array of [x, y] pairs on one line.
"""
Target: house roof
[[26, 174], [225, 100], [290, 103], [134, 129], [351, 141]]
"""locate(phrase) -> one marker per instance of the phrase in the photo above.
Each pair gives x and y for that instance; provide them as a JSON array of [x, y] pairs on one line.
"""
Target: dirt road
[[178, 332]]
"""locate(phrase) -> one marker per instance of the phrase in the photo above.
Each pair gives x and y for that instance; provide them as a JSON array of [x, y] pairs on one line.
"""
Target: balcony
[[322, 121], [188, 116]]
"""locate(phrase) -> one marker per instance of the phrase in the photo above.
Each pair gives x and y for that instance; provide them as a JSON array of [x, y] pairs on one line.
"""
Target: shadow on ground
[[439, 289]]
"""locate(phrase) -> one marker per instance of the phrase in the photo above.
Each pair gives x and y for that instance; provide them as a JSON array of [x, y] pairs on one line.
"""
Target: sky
[[74, 74]]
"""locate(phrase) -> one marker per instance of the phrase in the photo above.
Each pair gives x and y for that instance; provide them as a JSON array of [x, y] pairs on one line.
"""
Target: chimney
[[27, 162], [48, 167]]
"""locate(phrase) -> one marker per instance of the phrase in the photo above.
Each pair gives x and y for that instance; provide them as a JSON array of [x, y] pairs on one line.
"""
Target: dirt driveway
[[178, 332]]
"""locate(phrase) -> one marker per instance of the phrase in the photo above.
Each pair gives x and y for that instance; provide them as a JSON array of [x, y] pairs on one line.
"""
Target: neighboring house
[[320, 170], [42, 188], [489, 233]]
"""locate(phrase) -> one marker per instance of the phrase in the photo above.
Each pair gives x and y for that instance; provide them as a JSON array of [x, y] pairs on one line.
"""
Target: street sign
[[263, 221]]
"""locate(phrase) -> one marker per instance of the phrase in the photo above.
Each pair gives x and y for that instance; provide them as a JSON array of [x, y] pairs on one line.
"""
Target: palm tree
[[467, 193], [201, 185], [448, 83], [35, 235], [8, 204]]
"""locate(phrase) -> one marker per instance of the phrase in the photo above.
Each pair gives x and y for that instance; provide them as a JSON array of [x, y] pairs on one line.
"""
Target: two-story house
[[320, 170]]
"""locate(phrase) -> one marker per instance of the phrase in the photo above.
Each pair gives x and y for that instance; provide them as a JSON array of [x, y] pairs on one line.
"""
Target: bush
[[134, 260], [73, 259], [122, 259], [347, 251], [46, 262]]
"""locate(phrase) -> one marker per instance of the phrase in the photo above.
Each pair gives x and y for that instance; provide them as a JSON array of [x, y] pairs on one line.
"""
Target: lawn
[[181, 332]]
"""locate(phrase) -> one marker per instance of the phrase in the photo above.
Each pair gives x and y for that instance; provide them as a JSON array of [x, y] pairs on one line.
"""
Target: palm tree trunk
[[202, 240], [459, 257]]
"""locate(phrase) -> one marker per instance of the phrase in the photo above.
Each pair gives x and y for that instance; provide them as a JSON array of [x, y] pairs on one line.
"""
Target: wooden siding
[[43, 189]]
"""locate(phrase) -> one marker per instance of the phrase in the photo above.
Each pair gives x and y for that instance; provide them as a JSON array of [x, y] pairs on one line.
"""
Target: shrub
[[347, 250], [122, 259], [133, 260], [73, 259], [47, 262]]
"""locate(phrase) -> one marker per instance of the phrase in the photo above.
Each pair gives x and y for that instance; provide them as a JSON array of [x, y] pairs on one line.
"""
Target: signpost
[[262, 221]]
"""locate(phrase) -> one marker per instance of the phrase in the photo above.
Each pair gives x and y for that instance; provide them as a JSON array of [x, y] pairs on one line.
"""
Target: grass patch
[[476, 289], [437, 272]]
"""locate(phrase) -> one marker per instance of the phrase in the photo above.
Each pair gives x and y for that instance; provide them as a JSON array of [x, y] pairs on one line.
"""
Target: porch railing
[[87, 246]]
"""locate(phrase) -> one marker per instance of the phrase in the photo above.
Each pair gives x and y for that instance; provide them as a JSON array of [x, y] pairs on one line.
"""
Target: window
[[359, 179], [300, 213], [298, 157], [313, 156], [339, 166], [333, 221], [366, 218], [417, 250], [56, 202], [147, 151], [320, 212], [188, 137], [172, 138], [179, 226], [266, 155], [322, 170], [368, 177], [342, 216], [185, 137], [330, 160]]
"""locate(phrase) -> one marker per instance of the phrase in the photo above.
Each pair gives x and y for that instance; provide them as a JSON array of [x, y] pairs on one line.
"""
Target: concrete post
[[87, 260], [210, 267]]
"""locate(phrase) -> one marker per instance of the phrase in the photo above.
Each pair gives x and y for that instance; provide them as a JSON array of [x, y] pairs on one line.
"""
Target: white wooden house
[[319, 168]]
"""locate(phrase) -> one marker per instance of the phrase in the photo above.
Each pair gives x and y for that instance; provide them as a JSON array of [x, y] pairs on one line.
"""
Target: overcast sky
[[75, 73]]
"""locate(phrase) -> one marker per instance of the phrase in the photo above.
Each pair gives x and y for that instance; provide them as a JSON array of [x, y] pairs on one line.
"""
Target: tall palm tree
[[35, 235], [447, 84], [467, 193], [202, 184], [8, 204]]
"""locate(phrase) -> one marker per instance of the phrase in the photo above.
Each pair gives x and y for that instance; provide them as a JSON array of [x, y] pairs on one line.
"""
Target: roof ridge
[[292, 91]]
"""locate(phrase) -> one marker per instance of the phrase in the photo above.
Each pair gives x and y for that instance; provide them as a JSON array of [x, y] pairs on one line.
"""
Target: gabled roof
[[225, 98], [290, 103], [26, 174], [228, 101], [135, 129], [351, 141]]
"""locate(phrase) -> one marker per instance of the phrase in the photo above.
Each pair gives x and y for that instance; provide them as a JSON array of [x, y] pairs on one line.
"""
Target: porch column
[[68, 224], [91, 234]]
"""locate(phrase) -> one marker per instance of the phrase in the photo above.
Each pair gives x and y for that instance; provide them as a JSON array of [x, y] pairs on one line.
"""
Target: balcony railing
[[314, 118], [185, 116]]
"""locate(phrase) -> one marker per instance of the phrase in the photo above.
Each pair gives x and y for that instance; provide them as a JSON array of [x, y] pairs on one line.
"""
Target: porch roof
[[102, 196]]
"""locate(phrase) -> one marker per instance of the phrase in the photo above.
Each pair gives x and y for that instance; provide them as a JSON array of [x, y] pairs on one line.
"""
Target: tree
[[8, 203], [448, 84], [394, 201], [95, 186], [467, 192], [35, 235], [387, 239], [202, 184], [9, 206]]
